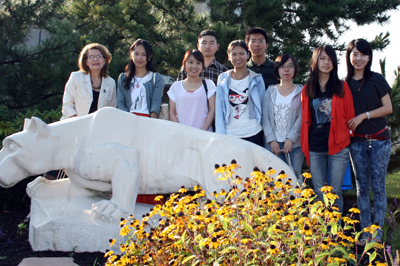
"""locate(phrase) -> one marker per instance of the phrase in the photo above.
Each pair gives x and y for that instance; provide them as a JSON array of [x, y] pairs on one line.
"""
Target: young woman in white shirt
[[282, 114], [192, 100], [140, 88]]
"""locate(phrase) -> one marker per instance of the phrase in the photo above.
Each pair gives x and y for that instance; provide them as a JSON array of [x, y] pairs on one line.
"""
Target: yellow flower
[[214, 243], [109, 253], [159, 198], [307, 193], [332, 196], [326, 189], [307, 175], [112, 242], [273, 250], [271, 172], [380, 264], [354, 210]]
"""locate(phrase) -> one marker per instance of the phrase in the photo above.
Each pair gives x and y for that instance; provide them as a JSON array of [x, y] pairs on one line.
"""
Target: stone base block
[[61, 218]]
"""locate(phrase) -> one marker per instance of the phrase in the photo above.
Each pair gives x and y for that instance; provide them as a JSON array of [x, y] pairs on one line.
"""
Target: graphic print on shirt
[[238, 101], [282, 111], [139, 99], [323, 109]]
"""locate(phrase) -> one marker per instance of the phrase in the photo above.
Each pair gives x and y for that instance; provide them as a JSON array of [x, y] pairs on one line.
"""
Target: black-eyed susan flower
[[273, 250], [214, 243]]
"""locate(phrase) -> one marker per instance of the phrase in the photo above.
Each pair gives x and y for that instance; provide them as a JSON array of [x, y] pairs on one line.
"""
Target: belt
[[372, 136]]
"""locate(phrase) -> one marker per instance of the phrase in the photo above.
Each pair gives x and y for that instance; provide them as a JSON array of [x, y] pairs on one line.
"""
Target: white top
[[240, 125], [138, 94], [191, 107], [281, 111]]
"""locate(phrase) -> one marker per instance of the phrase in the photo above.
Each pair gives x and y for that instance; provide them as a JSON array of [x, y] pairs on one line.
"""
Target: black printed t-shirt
[[321, 109], [368, 99]]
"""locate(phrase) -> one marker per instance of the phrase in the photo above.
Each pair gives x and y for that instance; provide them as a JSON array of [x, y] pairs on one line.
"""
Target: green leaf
[[248, 228], [315, 207], [188, 258], [210, 228], [334, 228], [372, 257], [369, 246], [321, 256], [228, 249]]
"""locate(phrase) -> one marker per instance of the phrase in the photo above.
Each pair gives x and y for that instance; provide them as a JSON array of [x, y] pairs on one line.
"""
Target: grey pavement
[[67, 261]]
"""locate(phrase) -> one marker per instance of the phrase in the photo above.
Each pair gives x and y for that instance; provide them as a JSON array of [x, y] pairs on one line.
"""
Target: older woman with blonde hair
[[90, 88]]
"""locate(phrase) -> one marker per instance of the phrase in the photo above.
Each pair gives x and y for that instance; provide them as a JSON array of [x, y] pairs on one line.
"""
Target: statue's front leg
[[125, 183]]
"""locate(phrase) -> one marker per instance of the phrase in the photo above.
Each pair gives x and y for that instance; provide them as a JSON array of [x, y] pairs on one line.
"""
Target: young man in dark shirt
[[208, 45], [257, 41]]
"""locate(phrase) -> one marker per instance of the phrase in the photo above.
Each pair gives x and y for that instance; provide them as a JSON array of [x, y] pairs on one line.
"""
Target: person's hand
[[288, 146], [275, 147], [354, 122]]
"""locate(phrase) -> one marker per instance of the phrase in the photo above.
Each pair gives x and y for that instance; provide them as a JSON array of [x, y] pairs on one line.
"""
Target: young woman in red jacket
[[327, 106]]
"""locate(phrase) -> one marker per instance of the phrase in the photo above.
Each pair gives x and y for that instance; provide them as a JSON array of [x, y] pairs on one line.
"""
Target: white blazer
[[78, 94]]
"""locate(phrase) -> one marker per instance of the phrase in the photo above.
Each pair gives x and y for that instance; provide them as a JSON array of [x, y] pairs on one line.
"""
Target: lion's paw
[[107, 212]]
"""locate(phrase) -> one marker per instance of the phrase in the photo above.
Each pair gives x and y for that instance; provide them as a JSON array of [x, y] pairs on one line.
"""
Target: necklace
[[94, 87], [247, 72], [145, 74]]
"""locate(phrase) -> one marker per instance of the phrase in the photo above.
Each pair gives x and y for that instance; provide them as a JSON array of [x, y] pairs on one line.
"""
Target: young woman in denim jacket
[[327, 106], [370, 146], [140, 89], [239, 98], [281, 119]]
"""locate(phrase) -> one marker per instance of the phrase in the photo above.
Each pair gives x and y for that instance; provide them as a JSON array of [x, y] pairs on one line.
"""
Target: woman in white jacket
[[281, 118], [90, 88]]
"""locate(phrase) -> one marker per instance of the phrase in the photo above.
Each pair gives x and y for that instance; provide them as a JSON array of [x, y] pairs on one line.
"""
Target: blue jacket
[[222, 104], [154, 92]]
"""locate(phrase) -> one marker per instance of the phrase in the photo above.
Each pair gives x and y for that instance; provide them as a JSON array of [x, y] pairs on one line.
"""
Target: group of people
[[327, 121]]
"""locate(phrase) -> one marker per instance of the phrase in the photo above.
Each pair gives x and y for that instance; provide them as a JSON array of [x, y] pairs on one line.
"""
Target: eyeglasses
[[286, 67], [99, 56], [257, 41]]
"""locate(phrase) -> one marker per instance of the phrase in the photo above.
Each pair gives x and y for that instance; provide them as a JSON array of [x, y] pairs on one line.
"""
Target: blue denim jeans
[[296, 158], [322, 163], [370, 167]]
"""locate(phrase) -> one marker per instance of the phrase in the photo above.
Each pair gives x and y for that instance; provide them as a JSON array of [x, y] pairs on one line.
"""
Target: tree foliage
[[297, 27], [35, 76]]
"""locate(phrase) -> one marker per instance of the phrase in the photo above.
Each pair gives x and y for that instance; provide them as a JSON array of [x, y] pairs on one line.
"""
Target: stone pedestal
[[61, 218]]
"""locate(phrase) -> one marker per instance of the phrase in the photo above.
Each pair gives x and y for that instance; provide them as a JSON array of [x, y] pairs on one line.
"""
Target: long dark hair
[[130, 67], [363, 47], [334, 85]]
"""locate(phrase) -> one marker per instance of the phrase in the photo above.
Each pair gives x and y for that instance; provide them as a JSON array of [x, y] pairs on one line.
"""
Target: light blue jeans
[[322, 163], [296, 158], [370, 168]]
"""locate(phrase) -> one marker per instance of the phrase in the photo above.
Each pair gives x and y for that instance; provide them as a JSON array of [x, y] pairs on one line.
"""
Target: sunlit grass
[[392, 187]]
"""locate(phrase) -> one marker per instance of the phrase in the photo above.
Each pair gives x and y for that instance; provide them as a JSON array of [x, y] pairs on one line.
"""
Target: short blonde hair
[[84, 55]]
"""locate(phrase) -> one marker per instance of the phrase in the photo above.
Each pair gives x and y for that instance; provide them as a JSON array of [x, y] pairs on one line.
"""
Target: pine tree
[[298, 27]]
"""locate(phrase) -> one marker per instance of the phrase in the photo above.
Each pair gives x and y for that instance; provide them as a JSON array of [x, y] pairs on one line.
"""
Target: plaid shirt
[[211, 72]]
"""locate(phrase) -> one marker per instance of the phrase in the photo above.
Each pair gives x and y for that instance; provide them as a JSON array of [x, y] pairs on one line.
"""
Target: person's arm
[[121, 100], [219, 116], [68, 105], [113, 102], [211, 113], [385, 109], [173, 116], [294, 133], [269, 133], [157, 95]]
